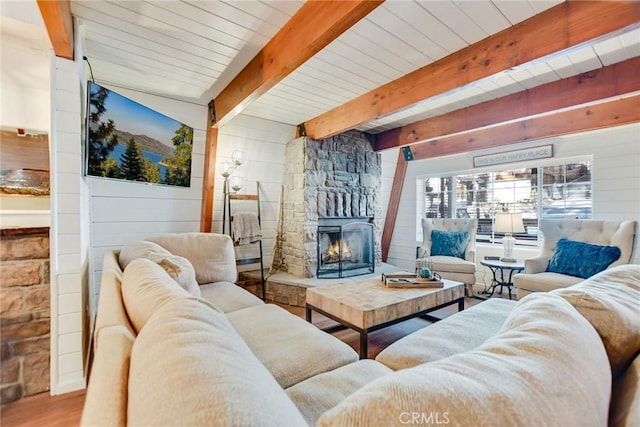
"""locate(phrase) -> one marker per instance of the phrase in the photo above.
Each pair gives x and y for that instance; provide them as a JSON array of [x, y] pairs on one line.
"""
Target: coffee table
[[366, 305]]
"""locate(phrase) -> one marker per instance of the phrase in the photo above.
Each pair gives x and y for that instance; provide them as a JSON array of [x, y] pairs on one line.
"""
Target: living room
[[92, 215]]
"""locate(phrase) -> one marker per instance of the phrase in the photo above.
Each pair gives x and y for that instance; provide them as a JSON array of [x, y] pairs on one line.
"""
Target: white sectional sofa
[[171, 352]]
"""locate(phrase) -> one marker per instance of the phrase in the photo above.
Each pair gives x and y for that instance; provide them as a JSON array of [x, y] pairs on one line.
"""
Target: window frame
[[496, 238]]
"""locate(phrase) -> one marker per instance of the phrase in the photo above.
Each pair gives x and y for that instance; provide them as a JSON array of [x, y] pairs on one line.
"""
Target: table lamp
[[508, 223]]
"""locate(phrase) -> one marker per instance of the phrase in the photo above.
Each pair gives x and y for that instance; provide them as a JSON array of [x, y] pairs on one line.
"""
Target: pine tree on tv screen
[[126, 140]]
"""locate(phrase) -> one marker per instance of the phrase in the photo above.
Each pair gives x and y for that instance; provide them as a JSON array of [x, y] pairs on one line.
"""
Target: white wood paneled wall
[[616, 181], [69, 237], [123, 211], [263, 143]]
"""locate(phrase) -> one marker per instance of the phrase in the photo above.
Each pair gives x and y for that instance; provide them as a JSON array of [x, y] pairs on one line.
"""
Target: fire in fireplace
[[345, 247]]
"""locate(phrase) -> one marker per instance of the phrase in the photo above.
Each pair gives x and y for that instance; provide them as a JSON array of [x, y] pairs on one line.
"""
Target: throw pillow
[[449, 243], [179, 268], [581, 259], [146, 287]]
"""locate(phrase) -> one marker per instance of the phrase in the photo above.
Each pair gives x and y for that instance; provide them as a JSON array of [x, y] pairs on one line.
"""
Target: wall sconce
[[237, 157], [508, 223], [236, 183], [226, 169]]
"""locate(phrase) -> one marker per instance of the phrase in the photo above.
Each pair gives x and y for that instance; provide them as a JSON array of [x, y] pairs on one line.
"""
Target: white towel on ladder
[[245, 228]]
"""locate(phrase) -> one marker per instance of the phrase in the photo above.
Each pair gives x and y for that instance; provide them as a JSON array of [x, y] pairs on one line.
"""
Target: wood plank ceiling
[[192, 50]]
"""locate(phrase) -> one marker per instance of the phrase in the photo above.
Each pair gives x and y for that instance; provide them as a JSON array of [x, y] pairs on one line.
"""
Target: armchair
[[537, 278], [451, 262]]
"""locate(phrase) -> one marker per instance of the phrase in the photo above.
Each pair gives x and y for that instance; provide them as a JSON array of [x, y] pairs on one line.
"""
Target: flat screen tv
[[128, 141]]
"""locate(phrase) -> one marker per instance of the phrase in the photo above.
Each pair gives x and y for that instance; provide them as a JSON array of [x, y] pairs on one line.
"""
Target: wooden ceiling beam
[[562, 27], [616, 112], [59, 23], [590, 87], [313, 27]]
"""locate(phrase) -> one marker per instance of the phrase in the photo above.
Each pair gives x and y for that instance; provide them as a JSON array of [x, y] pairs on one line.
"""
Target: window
[[556, 192]]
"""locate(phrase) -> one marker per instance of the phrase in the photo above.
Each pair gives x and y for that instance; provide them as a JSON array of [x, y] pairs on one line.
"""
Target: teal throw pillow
[[449, 243], [581, 259]]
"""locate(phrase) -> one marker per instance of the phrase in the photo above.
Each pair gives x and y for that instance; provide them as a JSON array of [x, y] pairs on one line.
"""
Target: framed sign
[[541, 152]]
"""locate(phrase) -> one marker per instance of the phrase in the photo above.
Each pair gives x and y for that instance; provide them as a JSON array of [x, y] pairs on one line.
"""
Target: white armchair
[[536, 278], [462, 266]]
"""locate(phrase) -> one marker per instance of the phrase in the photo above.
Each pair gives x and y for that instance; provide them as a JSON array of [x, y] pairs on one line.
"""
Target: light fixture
[[237, 157], [508, 223], [226, 169], [236, 183]]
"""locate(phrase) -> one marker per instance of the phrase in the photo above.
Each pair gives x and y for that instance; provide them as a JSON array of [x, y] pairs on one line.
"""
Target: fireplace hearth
[[345, 247]]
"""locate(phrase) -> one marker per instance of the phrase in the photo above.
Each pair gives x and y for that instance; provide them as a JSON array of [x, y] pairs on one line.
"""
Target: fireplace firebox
[[345, 247]]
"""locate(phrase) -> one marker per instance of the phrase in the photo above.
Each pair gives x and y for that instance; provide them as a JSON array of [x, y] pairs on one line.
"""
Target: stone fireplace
[[336, 179]]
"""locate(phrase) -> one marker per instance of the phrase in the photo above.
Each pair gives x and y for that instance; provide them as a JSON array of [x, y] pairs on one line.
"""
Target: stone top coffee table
[[367, 305]]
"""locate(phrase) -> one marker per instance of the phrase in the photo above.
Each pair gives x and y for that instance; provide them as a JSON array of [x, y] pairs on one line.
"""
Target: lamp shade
[[508, 223]]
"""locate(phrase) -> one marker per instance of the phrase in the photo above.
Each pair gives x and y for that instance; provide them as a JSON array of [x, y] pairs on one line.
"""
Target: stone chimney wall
[[339, 176], [25, 315]]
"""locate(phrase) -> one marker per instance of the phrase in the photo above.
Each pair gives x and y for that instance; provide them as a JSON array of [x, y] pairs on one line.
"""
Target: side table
[[502, 275]]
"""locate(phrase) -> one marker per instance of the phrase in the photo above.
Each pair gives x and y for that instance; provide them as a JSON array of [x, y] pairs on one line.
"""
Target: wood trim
[[597, 85], [24, 231], [606, 114], [208, 182], [243, 196], [59, 22], [314, 26], [562, 27], [392, 207]]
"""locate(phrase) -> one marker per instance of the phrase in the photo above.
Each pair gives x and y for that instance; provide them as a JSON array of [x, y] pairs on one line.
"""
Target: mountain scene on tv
[[126, 140]]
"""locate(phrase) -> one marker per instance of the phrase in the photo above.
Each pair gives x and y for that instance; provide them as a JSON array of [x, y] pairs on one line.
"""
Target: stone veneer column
[[24, 312], [338, 176]]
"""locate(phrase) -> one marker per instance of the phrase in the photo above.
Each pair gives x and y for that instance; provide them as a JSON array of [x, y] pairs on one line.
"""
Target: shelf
[[227, 219], [243, 197]]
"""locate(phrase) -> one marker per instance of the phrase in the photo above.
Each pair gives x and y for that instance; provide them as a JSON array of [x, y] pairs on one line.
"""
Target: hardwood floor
[[65, 410], [42, 410]]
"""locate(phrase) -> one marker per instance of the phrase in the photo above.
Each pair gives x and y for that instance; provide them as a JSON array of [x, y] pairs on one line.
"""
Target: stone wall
[[25, 315], [338, 176]]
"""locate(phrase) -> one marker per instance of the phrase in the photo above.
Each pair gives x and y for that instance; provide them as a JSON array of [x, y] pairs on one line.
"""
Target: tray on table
[[408, 280]]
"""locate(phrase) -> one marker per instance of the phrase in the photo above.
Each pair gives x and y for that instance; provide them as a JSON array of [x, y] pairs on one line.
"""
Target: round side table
[[502, 275]]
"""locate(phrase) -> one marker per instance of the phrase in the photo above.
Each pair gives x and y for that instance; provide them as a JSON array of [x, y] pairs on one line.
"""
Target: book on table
[[407, 280]]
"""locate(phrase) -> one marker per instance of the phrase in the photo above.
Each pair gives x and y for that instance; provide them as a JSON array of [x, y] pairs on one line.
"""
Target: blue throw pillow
[[581, 259], [449, 243]]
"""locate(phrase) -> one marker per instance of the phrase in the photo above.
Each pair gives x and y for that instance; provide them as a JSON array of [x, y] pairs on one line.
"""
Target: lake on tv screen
[[119, 150]]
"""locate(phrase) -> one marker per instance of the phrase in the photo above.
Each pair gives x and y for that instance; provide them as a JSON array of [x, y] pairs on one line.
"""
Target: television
[[128, 141]]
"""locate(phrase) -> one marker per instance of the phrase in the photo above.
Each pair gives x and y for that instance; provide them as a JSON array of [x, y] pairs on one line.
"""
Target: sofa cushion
[[211, 254], [544, 282], [609, 300], [449, 243], [443, 264], [316, 395], [229, 297], [109, 377], [111, 309], [547, 366], [455, 334], [179, 268], [189, 367], [146, 287], [291, 348], [581, 259], [625, 399]]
